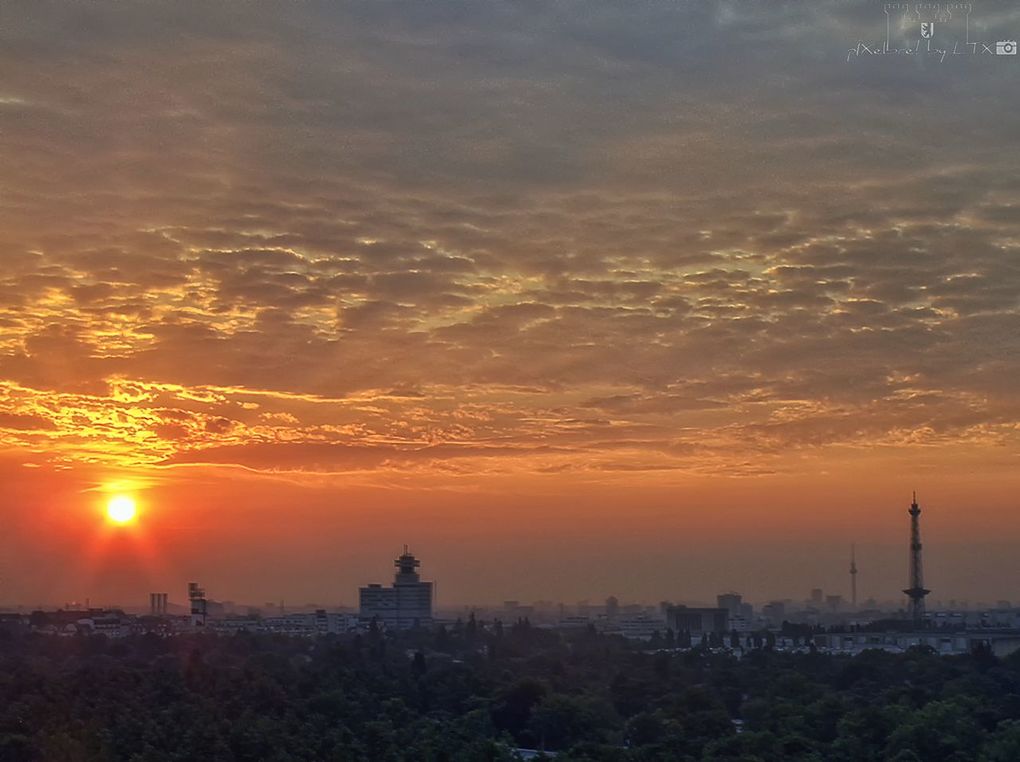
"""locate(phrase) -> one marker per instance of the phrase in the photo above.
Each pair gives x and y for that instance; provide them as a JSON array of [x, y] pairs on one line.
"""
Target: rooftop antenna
[[853, 575]]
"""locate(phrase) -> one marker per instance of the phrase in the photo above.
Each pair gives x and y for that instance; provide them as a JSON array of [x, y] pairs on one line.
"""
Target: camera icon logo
[[1005, 48]]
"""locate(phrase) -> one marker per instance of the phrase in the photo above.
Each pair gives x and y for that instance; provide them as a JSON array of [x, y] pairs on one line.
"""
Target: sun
[[121, 509]]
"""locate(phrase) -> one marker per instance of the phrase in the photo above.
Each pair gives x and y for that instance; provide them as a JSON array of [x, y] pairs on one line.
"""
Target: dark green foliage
[[475, 692]]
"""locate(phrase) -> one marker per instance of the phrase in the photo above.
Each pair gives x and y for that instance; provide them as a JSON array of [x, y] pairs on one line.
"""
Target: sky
[[653, 299]]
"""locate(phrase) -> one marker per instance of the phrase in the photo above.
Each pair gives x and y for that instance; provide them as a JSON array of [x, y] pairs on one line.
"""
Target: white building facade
[[406, 604]]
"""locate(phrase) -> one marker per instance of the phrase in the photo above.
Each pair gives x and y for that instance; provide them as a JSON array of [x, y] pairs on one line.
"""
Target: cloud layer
[[563, 237]]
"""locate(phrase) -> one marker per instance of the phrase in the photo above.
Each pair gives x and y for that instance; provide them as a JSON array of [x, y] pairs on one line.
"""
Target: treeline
[[472, 693]]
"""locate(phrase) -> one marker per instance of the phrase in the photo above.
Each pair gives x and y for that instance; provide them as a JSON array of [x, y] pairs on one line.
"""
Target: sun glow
[[121, 509]]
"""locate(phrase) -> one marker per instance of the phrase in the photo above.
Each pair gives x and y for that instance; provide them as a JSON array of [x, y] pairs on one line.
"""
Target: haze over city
[[655, 300]]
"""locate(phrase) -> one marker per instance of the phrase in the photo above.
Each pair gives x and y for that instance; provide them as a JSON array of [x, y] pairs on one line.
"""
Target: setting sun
[[121, 509]]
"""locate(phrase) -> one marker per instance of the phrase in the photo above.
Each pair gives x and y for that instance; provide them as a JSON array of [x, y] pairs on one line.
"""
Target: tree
[[1004, 744], [560, 721], [941, 730], [644, 729], [418, 667], [16, 747], [512, 710]]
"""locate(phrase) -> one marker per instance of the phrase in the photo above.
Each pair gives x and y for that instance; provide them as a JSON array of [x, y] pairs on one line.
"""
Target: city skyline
[[576, 299], [374, 595]]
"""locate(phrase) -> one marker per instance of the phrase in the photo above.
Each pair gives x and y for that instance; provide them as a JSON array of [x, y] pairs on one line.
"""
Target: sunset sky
[[654, 299]]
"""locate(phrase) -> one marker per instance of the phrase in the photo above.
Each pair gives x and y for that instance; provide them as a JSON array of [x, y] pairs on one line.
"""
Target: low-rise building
[[945, 642], [320, 622], [697, 620], [640, 627]]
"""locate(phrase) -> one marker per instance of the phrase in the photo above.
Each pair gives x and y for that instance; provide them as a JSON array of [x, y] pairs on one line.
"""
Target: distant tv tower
[[853, 577], [916, 591]]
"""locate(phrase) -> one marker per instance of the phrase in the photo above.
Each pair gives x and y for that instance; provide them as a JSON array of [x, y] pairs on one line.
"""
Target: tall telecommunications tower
[[853, 577], [916, 591]]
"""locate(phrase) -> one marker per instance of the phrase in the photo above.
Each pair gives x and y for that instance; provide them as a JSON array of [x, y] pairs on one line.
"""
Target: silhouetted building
[[741, 614], [729, 601], [405, 604], [319, 622], [199, 605], [637, 627], [694, 620], [158, 604], [612, 608], [774, 612]]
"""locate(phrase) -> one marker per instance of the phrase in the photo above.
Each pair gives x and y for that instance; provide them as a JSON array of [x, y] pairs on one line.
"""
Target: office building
[[405, 604], [697, 620]]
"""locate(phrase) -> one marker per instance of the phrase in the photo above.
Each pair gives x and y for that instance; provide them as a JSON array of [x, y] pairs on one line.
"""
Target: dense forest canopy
[[476, 693]]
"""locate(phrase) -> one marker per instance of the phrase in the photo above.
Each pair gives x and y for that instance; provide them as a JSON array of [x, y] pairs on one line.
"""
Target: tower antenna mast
[[916, 591], [853, 576]]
